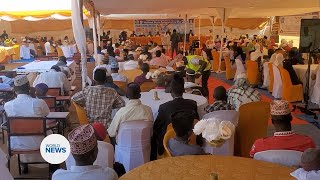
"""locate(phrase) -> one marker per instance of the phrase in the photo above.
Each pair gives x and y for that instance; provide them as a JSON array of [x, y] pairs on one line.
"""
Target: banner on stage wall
[[144, 26], [290, 25]]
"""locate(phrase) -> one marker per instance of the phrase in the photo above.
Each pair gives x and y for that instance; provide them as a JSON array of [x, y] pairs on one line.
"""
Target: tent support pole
[[98, 29], [185, 34], [81, 10], [223, 18], [95, 46], [199, 29]]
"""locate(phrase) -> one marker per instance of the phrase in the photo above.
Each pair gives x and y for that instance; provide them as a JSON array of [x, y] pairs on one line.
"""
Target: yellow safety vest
[[196, 67]]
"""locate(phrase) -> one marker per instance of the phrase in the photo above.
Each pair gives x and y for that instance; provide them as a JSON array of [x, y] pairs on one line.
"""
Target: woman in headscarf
[[241, 93]]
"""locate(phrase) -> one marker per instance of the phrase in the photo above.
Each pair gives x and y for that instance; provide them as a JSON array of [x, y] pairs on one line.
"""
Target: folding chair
[[25, 126]]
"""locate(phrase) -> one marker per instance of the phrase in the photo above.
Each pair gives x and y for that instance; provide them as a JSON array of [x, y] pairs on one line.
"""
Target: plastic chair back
[[215, 64], [81, 113], [253, 124], [270, 67], [230, 73], [283, 157], [252, 72], [290, 92], [169, 134]]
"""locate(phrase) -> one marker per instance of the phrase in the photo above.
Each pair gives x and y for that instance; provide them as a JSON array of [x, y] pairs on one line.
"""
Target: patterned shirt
[[242, 95], [98, 102], [218, 105]]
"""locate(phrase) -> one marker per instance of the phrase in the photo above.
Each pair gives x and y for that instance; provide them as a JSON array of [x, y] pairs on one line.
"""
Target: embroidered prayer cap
[[114, 65], [279, 107], [100, 130], [21, 80], [82, 139]]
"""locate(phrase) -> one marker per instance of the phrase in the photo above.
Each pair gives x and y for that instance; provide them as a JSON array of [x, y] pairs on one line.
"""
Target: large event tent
[[34, 10]]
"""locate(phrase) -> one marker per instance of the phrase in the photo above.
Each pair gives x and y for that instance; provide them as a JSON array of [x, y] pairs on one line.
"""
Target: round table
[[200, 167], [147, 99]]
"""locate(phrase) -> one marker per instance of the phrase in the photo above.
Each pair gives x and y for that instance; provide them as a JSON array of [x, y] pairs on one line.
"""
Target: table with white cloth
[[301, 71], [147, 99], [35, 67]]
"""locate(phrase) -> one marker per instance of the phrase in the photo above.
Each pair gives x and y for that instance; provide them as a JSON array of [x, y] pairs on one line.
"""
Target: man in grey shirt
[[182, 123]]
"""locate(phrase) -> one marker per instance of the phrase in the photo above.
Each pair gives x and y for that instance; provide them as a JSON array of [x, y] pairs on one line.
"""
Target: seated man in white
[[26, 106], [115, 73], [54, 79], [131, 64], [25, 50], [105, 65], [84, 149], [47, 46], [62, 63], [134, 110], [66, 51], [310, 165]]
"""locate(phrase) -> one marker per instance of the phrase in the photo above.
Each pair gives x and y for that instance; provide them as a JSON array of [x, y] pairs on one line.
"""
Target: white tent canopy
[[35, 10], [239, 9]]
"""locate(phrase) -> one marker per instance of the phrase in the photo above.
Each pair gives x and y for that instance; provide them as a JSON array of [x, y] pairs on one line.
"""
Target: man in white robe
[[26, 106], [25, 50]]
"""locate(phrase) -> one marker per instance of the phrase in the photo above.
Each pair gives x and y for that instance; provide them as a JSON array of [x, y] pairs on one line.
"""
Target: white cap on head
[[20, 80]]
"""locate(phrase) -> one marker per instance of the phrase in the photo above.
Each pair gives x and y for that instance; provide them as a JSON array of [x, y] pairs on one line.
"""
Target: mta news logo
[[55, 149]]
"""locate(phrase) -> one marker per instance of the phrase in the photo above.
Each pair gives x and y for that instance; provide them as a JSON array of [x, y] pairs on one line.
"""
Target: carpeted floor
[[218, 80], [298, 125]]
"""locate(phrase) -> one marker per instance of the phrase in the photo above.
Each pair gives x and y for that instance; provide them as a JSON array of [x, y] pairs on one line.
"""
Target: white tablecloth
[[147, 99], [301, 71], [31, 69]]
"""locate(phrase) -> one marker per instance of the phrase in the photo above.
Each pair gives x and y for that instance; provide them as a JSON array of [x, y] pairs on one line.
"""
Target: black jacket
[[163, 120]]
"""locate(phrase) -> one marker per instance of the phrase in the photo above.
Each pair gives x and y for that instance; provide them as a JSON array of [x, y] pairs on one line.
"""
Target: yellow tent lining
[[39, 14]]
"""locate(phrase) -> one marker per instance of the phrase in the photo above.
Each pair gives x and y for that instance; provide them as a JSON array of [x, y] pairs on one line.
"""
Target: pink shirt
[[158, 61]]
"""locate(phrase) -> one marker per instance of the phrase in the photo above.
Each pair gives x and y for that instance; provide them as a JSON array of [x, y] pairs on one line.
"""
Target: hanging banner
[[161, 25], [290, 25]]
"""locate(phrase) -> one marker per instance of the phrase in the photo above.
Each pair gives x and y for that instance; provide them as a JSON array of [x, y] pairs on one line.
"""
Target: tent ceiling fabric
[[239, 9], [35, 10]]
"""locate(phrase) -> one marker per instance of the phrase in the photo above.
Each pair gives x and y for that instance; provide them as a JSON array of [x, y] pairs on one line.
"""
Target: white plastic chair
[[277, 84], [227, 148], [105, 157], [283, 157], [134, 143], [240, 68]]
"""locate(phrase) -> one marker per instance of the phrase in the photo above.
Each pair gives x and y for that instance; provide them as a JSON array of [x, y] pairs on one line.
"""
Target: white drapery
[[224, 14], [95, 55], [98, 29], [80, 38]]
